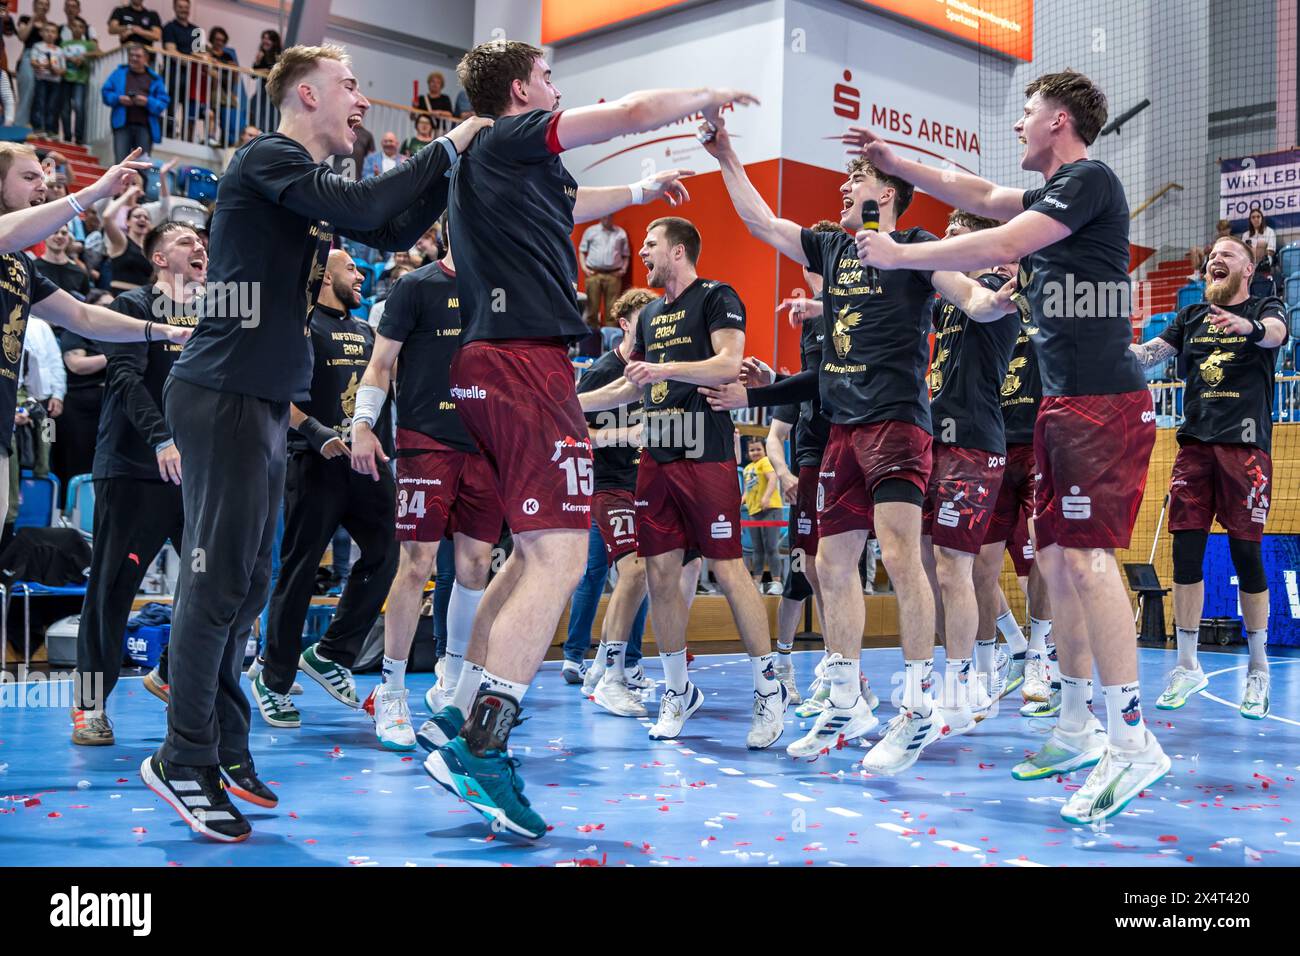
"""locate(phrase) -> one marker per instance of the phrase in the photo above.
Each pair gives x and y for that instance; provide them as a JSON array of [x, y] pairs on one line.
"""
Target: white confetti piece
[[731, 771], [842, 812], [954, 845], [705, 760], [798, 797], [763, 784]]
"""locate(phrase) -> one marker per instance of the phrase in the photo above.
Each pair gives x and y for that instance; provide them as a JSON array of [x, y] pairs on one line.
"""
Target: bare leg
[[845, 613], [668, 610], [990, 602], [415, 566], [1069, 630], [936, 593], [898, 527], [629, 591], [953, 570], [1189, 602], [746, 606]]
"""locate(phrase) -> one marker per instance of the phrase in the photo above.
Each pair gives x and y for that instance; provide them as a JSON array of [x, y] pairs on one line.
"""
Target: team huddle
[[1027, 426]]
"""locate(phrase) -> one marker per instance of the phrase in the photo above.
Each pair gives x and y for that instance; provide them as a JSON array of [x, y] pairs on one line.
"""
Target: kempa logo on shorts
[[947, 516], [568, 507], [75, 909], [461, 394], [531, 506], [720, 528], [1076, 507]]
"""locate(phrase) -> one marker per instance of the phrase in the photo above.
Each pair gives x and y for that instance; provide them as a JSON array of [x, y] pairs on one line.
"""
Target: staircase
[[85, 167], [1160, 289]]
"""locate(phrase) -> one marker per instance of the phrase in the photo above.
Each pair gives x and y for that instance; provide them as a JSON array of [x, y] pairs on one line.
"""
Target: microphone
[[871, 222]]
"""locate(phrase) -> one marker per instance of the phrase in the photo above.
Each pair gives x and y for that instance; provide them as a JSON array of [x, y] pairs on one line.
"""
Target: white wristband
[[637, 193], [370, 402]]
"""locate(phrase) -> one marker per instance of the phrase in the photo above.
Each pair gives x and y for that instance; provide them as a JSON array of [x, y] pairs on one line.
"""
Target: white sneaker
[[983, 699], [392, 718], [1183, 683], [636, 679], [572, 673], [1064, 751], [774, 587], [674, 709], [1014, 676], [1116, 780], [1255, 703], [769, 718], [834, 724], [955, 721], [440, 695], [1035, 686], [785, 674], [595, 671], [612, 694], [908, 735]]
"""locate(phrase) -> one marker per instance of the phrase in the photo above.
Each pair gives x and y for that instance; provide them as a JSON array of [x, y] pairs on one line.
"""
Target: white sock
[[1039, 631], [675, 678], [1049, 663], [1076, 695], [502, 686], [784, 648], [460, 624], [1258, 641], [956, 681], [394, 674], [1011, 633], [471, 679], [598, 662], [613, 655], [764, 668], [1187, 639], [843, 677], [918, 679], [984, 655], [1124, 716]]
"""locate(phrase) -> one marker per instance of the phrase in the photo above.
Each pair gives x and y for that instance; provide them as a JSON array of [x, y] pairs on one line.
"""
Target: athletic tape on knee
[[1189, 556], [1248, 559]]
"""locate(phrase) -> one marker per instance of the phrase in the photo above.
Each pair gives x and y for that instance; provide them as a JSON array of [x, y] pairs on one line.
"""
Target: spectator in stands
[[388, 157], [71, 12], [29, 32], [463, 109], [762, 500], [7, 101], [74, 452], [603, 255], [262, 110], [222, 89], [78, 50], [131, 268], [249, 134], [44, 348], [139, 98], [92, 248], [48, 67], [182, 36], [402, 262], [1259, 236], [135, 24], [435, 101], [423, 135], [55, 265], [7, 29]]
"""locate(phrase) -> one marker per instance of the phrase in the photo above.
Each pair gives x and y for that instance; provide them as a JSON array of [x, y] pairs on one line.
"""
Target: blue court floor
[[614, 797]]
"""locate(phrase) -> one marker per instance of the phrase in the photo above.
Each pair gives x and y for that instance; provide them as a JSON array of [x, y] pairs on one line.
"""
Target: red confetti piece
[[292, 815], [32, 802], [122, 780], [1265, 782], [407, 759], [931, 832], [310, 842], [139, 830], [590, 827], [987, 766], [1167, 838], [663, 807], [54, 814]]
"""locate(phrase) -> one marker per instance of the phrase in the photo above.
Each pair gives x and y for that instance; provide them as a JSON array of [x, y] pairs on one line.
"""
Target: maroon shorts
[[1015, 495], [444, 491], [615, 516], [517, 399], [1092, 453], [1232, 483], [959, 499], [859, 457], [805, 534], [688, 504], [1021, 547]]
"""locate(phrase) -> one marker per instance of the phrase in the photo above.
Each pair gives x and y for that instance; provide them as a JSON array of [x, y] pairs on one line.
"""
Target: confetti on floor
[[614, 798]]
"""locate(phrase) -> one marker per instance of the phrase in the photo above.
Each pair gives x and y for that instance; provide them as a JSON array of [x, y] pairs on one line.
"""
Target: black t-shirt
[[21, 286], [341, 348], [69, 340], [423, 313], [813, 430], [68, 276], [970, 362], [132, 265], [512, 205], [616, 465], [878, 346], [1079, 288], [131, 423], [1229, 395], [680, 332], [187, 38], [130, 17], [276, 216], [1022, 388]]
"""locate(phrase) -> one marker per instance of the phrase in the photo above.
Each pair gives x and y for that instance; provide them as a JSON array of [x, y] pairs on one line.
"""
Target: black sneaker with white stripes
[[199, 795], [241, 780]]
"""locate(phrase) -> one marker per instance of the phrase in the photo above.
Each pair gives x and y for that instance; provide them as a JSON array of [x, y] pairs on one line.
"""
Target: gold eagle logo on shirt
[[13, 334], [844, 322], [1011, 384], [658, 392], [1212, 368], [348, 399], [936, 369]]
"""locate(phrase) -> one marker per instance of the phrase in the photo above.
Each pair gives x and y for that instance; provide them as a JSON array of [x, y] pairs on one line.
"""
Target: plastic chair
[[40, 501], [1157, 324], [1293, 290], [1289, 258], [1191, 294], [79, 509]]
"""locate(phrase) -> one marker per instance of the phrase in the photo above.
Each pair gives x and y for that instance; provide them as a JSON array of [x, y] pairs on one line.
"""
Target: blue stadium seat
[[40, 501], [1191, 294], [1289, 258], [1293, 322], [80, 505], [196, 182], [1157, 324], [1293, 290]]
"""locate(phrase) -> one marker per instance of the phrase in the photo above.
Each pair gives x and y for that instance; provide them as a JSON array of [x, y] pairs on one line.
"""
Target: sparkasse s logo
[[75, 909]]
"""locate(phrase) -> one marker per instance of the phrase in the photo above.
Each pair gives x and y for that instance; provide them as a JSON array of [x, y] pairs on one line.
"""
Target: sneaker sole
[[283, 724], [1014, 685], [1147, 781], [437, 768], [303, 668], [1037, 715], [396, 747], [572, 677], [1160, 705], [165, 794], [1082, 762], [246, 795], [850, 732], [608, 706], [93, 741], [1028, 699], [158, 690], [1255, 716], [689, 712]]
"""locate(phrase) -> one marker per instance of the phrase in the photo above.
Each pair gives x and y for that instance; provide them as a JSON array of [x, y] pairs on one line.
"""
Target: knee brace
[[1248, 559], [1189, 556]]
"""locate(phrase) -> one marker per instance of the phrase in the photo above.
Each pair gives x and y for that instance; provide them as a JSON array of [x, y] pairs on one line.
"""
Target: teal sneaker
[[1255, 703], [1064, 752], [1044, 708], [276, 709], [1015, 675], [335, 678], [1183, 683], [440, 729], [489, 784]]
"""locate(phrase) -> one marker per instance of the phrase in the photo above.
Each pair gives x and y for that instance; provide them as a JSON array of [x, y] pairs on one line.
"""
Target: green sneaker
[[1063, 752], [1044, 708], [489, 784], [276, 709], [1255, 703], [816, 703], [1183, 683], [335, 678]]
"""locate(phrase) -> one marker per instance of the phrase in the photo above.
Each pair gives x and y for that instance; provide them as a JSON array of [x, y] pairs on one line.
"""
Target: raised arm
[[981, 304], [103, 325], [1026, 233], [114, 238], [763, 224], [962, 190], [594, 202], [640, 112]]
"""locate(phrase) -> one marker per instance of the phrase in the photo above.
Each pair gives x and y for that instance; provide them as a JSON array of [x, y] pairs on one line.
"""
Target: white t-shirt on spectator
[[1267, 236]]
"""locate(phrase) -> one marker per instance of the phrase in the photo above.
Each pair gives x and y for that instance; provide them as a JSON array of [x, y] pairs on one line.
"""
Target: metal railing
[[1167, 399], [212, 103]]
